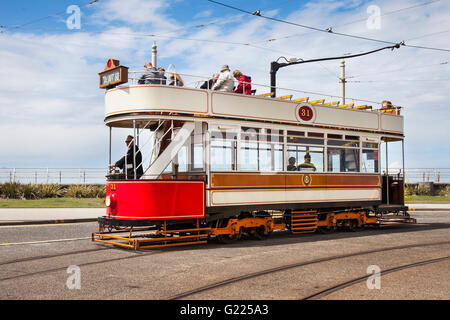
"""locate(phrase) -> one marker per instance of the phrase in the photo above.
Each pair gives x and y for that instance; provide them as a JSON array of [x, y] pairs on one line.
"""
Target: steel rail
[[295, 265]]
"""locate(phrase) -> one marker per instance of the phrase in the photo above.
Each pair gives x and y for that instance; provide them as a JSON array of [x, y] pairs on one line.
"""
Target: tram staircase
[[304, 221]]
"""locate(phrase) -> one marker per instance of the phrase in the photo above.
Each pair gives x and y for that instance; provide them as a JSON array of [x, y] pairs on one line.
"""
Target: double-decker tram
[[226, 166]]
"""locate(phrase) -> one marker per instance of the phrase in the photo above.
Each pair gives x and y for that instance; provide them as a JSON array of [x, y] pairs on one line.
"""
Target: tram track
[[79, 265], [349, 283], [302, 264]]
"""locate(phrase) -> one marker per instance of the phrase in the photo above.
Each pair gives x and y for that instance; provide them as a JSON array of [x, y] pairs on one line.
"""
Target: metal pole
[[387, 175], [403, 160], [342, 81], [134, 148], [109, 152], [154, 52]]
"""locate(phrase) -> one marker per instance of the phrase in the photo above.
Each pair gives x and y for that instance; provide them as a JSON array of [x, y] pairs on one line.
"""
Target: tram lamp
[[113, 74]]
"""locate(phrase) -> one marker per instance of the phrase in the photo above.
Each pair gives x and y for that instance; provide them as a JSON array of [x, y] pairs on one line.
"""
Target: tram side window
[[299, 152], [343, 160], [370, 161], [261, 150], [223, 151]]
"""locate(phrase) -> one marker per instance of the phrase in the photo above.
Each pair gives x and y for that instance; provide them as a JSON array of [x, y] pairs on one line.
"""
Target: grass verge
[[53, 203], [427, 199]]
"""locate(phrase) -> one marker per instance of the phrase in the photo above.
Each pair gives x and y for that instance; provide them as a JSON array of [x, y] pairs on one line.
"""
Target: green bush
[[83, 191], [17, 190], [11, 190]]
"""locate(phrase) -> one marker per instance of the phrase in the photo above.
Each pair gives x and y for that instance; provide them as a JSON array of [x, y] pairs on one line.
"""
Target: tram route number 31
[[305, 113]]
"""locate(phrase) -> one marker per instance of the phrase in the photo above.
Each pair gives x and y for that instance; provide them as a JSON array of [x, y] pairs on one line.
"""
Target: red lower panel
[[155, 199]]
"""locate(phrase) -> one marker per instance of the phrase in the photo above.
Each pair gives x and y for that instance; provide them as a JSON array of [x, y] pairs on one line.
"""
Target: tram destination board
[[113, 74]]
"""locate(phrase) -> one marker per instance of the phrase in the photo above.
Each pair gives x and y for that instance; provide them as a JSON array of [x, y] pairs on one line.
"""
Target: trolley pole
[[342, 81]]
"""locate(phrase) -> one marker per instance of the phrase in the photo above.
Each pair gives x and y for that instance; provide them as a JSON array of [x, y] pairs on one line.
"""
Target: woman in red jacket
[[244, 85]]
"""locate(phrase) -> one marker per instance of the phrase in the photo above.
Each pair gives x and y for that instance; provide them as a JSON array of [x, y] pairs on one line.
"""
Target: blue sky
[[51, 110]]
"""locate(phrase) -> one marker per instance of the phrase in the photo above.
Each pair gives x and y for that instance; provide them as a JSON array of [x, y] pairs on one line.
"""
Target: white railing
[[54, 175], [195, 81], [98, 175]]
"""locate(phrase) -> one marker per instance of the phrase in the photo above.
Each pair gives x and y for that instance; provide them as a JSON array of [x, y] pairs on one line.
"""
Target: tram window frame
[[316, 134], [376, 161], [260, 142], [300, 156], [225, 136], [342, 163]]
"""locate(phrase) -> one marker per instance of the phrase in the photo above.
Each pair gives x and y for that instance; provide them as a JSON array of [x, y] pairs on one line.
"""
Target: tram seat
[[321, 101], [289, 96], [302, 99], [363, 107], [269, 94], [334, 103]]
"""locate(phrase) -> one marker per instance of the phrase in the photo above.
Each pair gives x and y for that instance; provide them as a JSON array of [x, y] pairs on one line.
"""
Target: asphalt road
[[35, 263]]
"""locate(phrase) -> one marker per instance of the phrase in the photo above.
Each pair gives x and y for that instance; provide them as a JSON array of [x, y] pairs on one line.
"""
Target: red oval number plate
[[305, 113]]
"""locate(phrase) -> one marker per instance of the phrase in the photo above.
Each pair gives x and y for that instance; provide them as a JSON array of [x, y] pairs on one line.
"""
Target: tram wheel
[[227, 238], [260, 233], [325, 230]]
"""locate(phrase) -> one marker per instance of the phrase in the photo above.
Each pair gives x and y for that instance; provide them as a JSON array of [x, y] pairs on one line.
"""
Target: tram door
[[395, 184]]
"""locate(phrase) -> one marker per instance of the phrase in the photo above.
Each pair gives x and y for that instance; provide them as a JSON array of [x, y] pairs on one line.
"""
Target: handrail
[[200, 79]]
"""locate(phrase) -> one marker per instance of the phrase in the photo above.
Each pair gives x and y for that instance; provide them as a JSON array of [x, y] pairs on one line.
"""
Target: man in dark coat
[[128, 158]]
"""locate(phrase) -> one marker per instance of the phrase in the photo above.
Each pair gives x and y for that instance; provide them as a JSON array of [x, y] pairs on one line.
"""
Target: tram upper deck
[[134, 101]]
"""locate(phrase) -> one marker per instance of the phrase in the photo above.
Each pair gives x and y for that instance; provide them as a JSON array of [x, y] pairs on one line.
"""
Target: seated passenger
[[210, 83], [291, 166], [175, 80], [151, 75], [244, 85], [307, 165], [162, 77], [225, 81]]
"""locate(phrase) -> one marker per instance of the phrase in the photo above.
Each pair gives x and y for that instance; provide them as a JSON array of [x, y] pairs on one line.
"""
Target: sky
[[52, 111]]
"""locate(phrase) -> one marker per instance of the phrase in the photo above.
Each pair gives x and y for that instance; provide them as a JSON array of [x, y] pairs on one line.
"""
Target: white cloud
[[53, 83]]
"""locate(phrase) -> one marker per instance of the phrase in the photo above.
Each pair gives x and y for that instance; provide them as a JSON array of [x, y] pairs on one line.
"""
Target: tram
[[228, 166]]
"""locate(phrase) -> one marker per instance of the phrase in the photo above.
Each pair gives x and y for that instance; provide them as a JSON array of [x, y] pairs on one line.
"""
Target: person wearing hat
[[126, 163], [225, 81], [307, 165]]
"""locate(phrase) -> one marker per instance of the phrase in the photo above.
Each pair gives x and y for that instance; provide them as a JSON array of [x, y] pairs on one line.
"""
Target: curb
[[59, 221]]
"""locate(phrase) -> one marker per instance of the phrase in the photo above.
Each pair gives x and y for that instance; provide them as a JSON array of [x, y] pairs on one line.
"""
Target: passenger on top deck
[[127, 163], [291, 166], [210, 83], [307, 165], [244, 85], [151, 75], [162, 76], [225, 81], [178, 82]]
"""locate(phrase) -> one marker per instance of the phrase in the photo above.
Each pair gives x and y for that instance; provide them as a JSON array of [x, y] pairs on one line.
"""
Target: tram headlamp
[[108, 201]]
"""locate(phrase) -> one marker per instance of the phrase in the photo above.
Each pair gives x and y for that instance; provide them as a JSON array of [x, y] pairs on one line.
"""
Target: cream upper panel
[[149, 98]]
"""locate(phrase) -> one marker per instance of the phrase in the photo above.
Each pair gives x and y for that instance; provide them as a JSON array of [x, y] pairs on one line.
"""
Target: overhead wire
[[328, 30]]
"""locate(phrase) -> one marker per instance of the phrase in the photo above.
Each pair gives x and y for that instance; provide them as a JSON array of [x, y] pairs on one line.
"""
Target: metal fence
[[54, 175], [97, 175]]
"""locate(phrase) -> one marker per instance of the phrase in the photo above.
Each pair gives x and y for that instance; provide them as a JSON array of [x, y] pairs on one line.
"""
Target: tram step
[[303, 222]]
